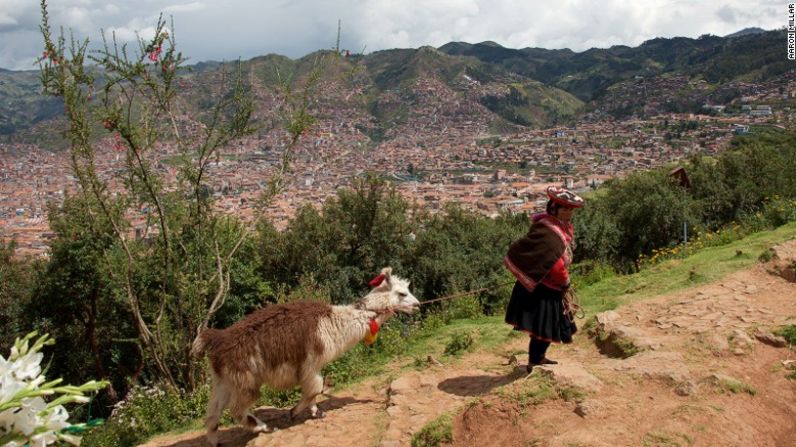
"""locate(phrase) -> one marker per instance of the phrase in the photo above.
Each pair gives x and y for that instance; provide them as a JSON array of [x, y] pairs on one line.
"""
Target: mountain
[[21, 104], [383, 95], [746, 32], [391, 93], [589, 73]]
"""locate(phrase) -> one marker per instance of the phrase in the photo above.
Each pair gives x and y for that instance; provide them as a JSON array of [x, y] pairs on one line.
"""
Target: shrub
[[459, 342], [767, 256], [147, 411], [463, 307]]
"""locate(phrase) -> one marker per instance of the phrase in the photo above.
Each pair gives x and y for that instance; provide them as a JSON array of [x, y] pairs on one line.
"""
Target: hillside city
[[440, 147]]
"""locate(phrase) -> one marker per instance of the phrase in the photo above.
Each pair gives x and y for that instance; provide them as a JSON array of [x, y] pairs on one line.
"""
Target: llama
[[286, 345]]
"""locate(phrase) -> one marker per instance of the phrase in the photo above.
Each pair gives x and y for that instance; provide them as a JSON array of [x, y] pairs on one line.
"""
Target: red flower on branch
[[155, 53]]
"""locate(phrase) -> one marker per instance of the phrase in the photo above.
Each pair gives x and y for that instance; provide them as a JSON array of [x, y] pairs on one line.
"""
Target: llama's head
[[390, 292]]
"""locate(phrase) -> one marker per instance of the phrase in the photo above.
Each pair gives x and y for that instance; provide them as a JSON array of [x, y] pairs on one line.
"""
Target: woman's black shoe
[[545, 361]]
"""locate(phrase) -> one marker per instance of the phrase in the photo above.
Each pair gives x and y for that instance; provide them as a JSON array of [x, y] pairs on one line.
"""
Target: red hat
[[564, 197]]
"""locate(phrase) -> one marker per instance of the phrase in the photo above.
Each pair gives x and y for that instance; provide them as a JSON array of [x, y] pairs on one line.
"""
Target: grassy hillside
[[707, 265]]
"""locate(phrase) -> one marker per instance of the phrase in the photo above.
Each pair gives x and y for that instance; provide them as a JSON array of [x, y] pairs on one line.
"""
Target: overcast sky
[[227, 30]]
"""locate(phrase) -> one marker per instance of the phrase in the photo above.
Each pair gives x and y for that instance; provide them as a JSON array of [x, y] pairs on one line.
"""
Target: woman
[[539, 261]]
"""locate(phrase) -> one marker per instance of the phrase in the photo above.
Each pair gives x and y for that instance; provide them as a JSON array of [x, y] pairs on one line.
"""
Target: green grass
[[534, 390], [735, 386], [488, 331], [571, 394], [788, 333], [708, 265], [434, 433]]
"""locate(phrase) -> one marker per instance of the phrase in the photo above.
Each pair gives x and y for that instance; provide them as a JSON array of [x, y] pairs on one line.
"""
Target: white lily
[[28, 366], [25, 414]]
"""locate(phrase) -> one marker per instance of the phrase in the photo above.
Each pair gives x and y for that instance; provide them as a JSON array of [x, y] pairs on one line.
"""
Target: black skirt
[[540, 313]]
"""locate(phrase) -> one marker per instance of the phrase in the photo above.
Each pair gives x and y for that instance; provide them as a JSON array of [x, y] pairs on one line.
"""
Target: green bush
[[277, 398], [767, 255], [463, 308], [749, 188], [459, 342], [145, 412]]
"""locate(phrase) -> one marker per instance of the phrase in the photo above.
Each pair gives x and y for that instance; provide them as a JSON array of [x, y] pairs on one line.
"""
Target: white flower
[[56, 420], [27, 419], [43, 439], [30, 416], [28, 366], [9, 386], [5, 366], [7, 419]]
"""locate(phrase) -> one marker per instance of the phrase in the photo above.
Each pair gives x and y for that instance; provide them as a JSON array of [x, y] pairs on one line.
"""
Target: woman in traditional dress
[[539, 260]]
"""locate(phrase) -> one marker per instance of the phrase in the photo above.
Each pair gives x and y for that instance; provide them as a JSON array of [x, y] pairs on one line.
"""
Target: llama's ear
[[387, 272]]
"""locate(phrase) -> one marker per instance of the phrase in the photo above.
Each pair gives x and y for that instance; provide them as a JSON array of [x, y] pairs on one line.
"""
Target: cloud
[[246, 28], [131, 33], [186, 7], [727, 14]]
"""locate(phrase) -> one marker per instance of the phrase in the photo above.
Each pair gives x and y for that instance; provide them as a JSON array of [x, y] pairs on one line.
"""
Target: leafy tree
[[633, 216], [174, 271], [73, 300], [368, 226], [753, 170], [459, 250], [17, 278], [362, 229]]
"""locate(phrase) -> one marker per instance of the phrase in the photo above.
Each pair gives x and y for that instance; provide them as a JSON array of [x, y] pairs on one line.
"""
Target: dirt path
[[704, 379], [699, 345]]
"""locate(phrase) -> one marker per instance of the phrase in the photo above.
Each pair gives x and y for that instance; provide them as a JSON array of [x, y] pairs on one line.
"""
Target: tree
[[173, 271], [17, 277], [73, 300], [362, 229], [634, 215]]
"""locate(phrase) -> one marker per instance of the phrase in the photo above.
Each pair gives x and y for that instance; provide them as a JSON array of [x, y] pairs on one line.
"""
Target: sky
[[231, 29]]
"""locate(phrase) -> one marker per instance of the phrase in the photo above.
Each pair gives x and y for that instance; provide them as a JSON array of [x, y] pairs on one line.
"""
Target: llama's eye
[[402, 294]]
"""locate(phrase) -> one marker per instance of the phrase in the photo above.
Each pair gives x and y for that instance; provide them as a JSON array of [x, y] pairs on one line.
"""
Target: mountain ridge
[[496, 86]]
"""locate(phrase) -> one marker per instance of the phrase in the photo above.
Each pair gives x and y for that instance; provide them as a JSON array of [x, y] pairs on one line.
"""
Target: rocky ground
[[697, 367]]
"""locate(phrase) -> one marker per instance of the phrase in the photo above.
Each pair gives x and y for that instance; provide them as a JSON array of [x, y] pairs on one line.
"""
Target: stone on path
[[741, 340], [687, 388], [589, 407], [770, 339], [715, 342], [571, 374], [668, 366], [403, 385]]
